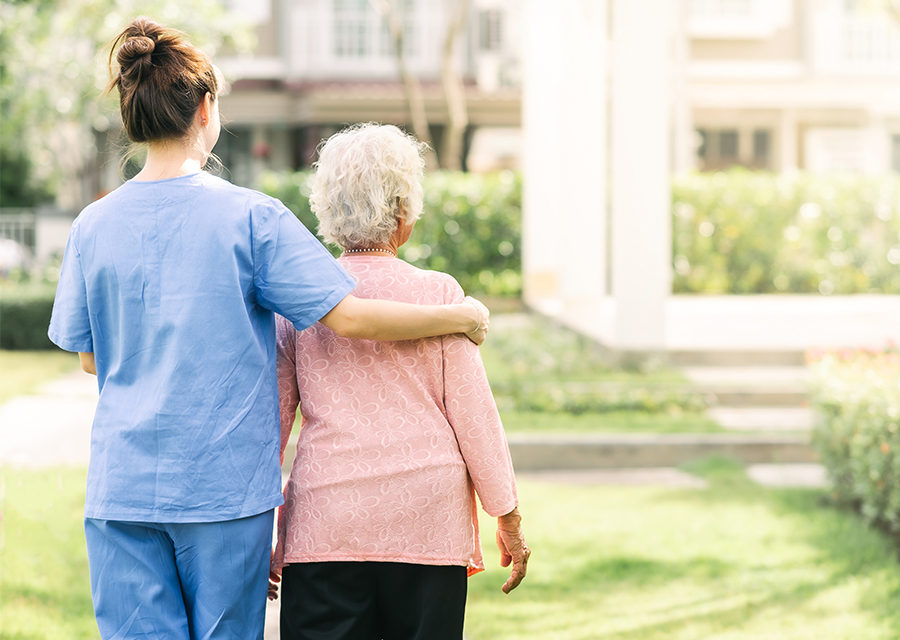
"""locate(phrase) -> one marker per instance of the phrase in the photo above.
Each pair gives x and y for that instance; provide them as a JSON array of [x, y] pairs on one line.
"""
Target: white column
[[787, 141], [564, 149], [542, 246], [684, 152], [878, 146], [640, 162]]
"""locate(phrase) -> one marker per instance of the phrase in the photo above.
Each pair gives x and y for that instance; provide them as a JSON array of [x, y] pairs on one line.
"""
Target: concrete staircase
[[761, 398]]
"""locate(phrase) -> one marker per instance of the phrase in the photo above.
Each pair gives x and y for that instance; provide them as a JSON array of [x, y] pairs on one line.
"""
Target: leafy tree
[[53, 69]]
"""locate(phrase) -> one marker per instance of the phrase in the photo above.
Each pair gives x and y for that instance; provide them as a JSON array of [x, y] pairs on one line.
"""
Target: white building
[[619, 94], [322, 64]]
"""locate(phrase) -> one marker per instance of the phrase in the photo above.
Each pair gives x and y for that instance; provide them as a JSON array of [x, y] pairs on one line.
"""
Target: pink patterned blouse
[[396, 439]]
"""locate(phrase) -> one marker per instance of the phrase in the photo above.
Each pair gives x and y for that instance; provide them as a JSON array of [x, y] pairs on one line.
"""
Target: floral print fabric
[[396, 437]]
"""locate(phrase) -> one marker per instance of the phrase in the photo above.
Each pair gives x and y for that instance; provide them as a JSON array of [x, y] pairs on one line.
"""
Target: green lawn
[[733, 561], [44, 584], [22, 372]]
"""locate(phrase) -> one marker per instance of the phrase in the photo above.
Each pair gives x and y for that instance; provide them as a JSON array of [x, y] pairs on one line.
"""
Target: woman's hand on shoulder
[[513, 548], [480, 333]]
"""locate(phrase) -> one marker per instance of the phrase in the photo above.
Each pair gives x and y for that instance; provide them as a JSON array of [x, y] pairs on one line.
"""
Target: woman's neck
[[170, 160]]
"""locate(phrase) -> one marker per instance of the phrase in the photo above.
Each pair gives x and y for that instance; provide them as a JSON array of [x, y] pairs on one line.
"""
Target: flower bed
[[857, 397]]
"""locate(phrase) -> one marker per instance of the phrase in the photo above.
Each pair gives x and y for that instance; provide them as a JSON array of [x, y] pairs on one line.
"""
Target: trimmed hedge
[[542, 367], [738, 232], [857, 397], [756, 232], [471, 227], [24, 317]]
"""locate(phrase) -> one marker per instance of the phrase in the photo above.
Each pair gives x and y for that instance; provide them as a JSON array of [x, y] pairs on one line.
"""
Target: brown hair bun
[[161, 78], [135, 55]]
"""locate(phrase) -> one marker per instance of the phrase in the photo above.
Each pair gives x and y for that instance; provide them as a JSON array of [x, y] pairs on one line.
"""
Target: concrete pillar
[[684, 138], [787, 141], [564, 155], [640, 171]]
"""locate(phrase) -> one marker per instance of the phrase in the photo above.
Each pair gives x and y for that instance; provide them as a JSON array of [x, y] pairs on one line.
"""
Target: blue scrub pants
[[189, 581]]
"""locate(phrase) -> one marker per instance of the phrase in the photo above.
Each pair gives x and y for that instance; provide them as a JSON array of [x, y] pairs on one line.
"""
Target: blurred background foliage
[[53, 68], [471, 227], [748, 232], [856, 395], [733, 232]]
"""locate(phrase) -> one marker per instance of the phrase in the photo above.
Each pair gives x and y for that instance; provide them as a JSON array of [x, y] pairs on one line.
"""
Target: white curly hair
[[367, 176]]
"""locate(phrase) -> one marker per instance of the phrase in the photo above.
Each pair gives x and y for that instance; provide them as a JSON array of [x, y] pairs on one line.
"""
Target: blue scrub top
[[172, 285]]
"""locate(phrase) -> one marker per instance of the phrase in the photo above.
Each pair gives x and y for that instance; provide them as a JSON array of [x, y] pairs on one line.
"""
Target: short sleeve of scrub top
[[72, 329]]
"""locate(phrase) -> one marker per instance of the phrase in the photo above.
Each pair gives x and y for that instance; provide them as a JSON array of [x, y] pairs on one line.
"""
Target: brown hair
[[161, 78]]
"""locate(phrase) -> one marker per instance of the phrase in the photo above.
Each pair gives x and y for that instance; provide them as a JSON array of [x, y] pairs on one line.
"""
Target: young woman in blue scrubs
[[168, 292]]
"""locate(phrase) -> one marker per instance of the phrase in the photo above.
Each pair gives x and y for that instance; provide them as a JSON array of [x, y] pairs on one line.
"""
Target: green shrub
[[857, 397], [471, 227], [25, 315], [756, 232], [537, 366]]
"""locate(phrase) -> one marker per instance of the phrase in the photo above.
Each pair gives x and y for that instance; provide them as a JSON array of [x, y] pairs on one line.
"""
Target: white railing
[[864, 43], [737, 19], [18, 225]]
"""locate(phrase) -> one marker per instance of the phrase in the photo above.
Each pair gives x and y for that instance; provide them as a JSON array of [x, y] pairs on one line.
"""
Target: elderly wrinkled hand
[[274, 579], [513, 549], [480, 333]]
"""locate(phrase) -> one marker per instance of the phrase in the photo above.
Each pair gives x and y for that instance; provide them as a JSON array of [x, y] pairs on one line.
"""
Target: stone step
[[748, 376], [537, 453], [756, 386], [736, 358], [763, 418], [718, 396]]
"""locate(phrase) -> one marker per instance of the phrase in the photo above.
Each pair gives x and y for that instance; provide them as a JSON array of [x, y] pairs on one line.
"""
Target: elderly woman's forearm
[[387, 320]]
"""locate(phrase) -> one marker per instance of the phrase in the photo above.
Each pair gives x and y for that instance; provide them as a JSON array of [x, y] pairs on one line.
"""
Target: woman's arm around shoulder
[[371, 319]]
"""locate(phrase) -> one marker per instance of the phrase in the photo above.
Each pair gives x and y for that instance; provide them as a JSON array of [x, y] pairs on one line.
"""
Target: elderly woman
[[379, 528]]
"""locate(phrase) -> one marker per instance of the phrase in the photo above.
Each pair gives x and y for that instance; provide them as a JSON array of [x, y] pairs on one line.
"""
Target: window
[[351, 28], [761, 146], [234, 152], [895, 152], [722, 8], [718, 149], [728, 144], [490, 33], [360, 32]]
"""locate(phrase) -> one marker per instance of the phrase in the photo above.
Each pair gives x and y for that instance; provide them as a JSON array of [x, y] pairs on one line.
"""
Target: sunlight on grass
[[44, 583], [734, 561], [22, 372]]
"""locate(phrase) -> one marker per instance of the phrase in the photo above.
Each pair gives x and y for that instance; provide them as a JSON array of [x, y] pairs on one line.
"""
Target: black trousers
[[372, 601]]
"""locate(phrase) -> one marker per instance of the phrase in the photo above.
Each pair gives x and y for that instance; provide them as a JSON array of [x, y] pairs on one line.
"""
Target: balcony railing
[[865, 43], [18, 225], [737, 19]]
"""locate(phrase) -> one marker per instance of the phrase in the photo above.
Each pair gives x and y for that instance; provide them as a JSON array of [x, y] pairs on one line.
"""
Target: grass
[[44, 583], [22, 372], [734, 561]]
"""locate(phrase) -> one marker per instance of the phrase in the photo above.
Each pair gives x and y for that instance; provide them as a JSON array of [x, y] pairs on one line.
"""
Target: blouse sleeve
[[288, 391], [473, 415], [70, 322]]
